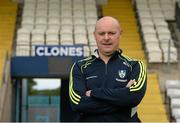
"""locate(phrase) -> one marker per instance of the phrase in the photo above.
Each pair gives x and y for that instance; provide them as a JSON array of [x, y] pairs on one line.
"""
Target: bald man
[[108, 85]]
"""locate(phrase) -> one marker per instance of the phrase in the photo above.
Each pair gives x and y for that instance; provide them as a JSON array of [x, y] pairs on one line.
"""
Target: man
[[107, 86]]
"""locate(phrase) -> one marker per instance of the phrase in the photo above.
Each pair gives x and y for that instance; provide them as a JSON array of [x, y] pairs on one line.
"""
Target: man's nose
[[106, 36]]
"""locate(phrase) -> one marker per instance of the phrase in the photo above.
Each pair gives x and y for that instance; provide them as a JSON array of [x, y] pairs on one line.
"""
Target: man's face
[[107, 35]]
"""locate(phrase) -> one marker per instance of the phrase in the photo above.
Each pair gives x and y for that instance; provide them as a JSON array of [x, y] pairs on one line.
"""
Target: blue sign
[[61, 50]]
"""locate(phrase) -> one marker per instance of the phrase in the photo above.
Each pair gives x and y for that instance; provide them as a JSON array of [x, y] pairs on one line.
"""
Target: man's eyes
[[109, 33]]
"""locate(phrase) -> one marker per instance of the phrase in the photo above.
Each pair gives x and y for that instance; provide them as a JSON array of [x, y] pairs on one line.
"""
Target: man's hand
[[130, 83], [88, 93]]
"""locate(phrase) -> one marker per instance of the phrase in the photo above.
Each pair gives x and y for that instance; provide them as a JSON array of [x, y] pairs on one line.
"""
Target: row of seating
[[56, 22], [172, 94], [161, 8], [155, 31]]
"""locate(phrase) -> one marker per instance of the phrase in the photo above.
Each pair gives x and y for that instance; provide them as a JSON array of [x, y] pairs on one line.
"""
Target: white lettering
[[55, 51], [40, 51], [63, 51], [79, 51], [46, 51], [72, 51]]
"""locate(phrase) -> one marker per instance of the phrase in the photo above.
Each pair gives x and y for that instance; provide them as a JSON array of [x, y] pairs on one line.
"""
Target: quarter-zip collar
[[114, 55]]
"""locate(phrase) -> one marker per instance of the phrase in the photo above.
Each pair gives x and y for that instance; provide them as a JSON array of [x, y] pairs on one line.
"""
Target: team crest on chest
[[122, 73]]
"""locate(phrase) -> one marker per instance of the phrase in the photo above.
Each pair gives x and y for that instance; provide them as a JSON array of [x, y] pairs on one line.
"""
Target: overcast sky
[[47, 83]]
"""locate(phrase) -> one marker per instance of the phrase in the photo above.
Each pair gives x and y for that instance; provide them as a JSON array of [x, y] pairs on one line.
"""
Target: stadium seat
[[80, 30], [176, 113], [80, 39], [22, 50], [67, 29], [148, 30], [66, 39]]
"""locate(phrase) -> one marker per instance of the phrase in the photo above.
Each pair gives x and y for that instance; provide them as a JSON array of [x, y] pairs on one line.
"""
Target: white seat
[[27, 20], [54, 2], [175, 103], [142, 7], [91, 21], [90, 7], [53, 14], [163, 30], [155, 57], [160, 22], [144, 14], [164, 37], [23, 39], [29, 13], [22, 50], [54, 8], [176, 113], [172, 84], [38, 39], [29, 1], [66, 39], [165, 42], [79, 21], [157, 14], [78, 14], [91, 14], [146, 22], [148, 30], [173, 54], [42, 5], [54, 26], [29, 6], [28, 26], [141, 1], [90, 29], [90, 2], [41, 13], [173, 92], [66, 21], [154, 1], [155, 6], [150, 38], [81, 39], [52, 39], [41, 26], [37, 36], [66, 13], [66, 29], [78, 7], [52, 31], [154, 53], [91, 39], [41, 20], [54, 21], [79, 29]]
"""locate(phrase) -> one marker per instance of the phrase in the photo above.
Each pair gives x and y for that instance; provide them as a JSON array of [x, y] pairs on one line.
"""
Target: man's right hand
[[130, 83]]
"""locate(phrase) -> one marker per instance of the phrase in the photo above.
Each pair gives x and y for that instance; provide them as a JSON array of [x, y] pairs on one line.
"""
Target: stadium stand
[[56, 22], [152, 15], [172, 94]]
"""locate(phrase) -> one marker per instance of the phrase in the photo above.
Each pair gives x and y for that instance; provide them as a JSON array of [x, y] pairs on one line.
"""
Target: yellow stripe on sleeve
[[75, 98], [141, 80]]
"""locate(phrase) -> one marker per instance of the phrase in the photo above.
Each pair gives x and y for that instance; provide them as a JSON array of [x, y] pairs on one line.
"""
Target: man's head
[[107, 34]]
